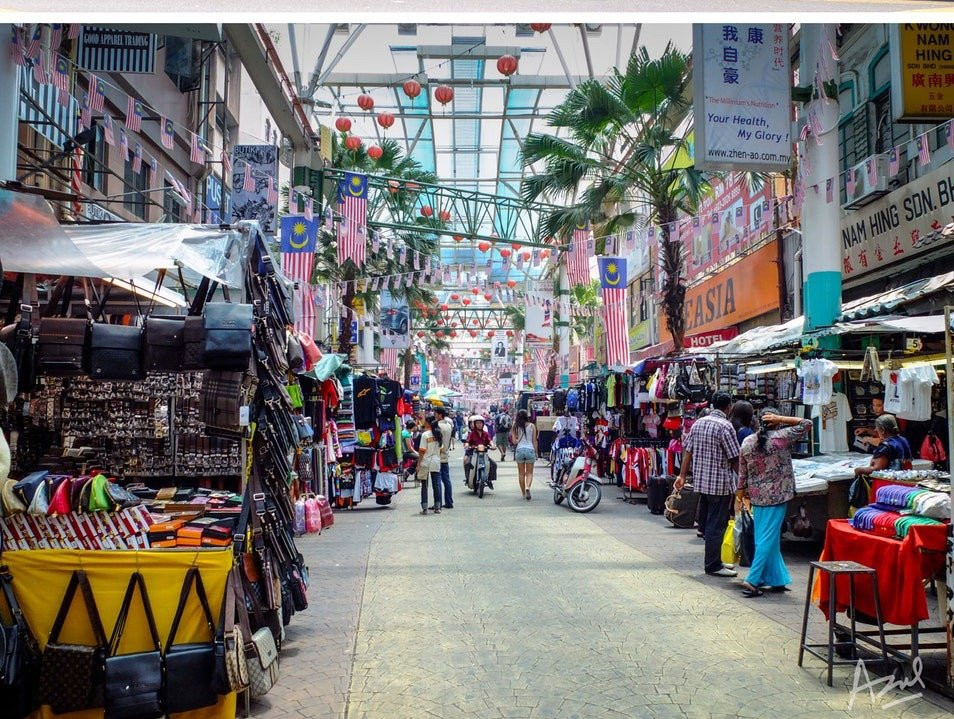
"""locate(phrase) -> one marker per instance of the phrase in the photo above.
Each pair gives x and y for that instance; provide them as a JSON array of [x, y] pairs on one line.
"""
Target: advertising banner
[[395, 322], [253, 204], [900, 225], [922, 71], [742, 97], [499, 354], [104, 49], [705, 339], [539, 314]]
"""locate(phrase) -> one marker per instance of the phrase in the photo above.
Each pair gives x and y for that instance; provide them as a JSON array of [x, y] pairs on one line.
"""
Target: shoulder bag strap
[[6, 579], [252, 599], [227, 614], [192, 578], [136, 580], [64, 607]]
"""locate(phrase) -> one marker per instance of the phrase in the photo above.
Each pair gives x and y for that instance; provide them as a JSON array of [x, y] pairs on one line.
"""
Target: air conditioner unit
[[869, 187]]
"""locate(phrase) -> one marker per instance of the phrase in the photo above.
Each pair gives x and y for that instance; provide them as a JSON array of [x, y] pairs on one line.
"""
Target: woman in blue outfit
[[767, 480]]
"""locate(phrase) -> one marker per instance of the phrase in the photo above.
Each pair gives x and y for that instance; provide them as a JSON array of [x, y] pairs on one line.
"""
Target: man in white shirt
[[447, 436]]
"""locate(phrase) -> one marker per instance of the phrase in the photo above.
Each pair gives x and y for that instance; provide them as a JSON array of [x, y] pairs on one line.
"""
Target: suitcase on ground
[[657, 489], [681, 507]]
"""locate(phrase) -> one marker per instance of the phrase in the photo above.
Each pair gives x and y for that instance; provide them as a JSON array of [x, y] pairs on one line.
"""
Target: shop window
[[853, 140], [135, 183], [172, 210], [94, 161], [846, 98]]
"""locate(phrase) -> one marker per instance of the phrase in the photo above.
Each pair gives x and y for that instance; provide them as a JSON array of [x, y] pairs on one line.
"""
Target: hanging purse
[[71, 675], [19, 654], [231, 667], [190, 668], [59, 491], [227, 344], [133, 686], [61, 346], [12, 504], [261, 652], [164, 344], [116, 352], [310, 350]]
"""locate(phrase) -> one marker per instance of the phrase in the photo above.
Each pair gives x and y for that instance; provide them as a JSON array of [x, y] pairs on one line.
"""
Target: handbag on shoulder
[[190, 668], [133, 686], [72, 675]]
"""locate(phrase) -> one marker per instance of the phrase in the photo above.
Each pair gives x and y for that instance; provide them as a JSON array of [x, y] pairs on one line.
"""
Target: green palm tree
[[626, 148]]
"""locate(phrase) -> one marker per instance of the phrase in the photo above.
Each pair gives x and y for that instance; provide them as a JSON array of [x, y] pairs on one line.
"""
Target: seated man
[[477, 437]]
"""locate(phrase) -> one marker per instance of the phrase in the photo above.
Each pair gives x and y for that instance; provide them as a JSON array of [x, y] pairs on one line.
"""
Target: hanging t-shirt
[[389, 392], [816, 377], [365, 394], [833, 417], [897, 392], [917, 385], [651, 424], [611, 391]]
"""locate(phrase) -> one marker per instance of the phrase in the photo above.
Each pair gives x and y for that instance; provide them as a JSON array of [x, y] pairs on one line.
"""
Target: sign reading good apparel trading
[[742, 97], [922, 71], [110, 50], [900, 225]]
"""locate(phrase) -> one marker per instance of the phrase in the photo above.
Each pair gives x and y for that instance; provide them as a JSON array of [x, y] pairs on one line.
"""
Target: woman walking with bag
[[524, 438], [429, 463], [767, 480]]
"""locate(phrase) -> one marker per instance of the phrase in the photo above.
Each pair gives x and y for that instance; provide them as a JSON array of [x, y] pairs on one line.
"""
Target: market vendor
[[893, 450], [867, 439]]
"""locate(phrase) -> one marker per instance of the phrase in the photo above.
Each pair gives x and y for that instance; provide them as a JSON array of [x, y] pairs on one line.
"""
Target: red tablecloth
[[902, 568]]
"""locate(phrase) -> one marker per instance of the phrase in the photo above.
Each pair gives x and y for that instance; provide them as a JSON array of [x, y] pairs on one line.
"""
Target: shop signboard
[[740, 291], [395, 321], [108, 49], [900, 225], [742, 96], [499, 355], [922, 71], [706, 339], [539, 313], [639, 335], [253, 204]]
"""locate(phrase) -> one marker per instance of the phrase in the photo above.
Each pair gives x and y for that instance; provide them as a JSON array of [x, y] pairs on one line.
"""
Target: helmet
[[476, 418]]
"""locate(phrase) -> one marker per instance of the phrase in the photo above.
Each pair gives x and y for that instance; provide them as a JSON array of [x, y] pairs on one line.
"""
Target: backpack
[[932, 449], [504, 423], [573, 400]]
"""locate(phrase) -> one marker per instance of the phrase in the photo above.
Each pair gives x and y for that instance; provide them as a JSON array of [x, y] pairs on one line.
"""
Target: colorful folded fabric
[[903, 525]]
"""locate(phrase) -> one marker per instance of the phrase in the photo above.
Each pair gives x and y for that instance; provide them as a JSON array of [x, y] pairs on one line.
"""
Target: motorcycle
[[578, 483], [479, 473]]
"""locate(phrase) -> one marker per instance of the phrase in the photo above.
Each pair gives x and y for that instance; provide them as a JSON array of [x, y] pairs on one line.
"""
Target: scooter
[[479, 472], [578, 483]]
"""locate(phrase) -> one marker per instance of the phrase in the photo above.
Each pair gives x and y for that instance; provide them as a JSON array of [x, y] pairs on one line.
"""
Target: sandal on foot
[[749, 592]]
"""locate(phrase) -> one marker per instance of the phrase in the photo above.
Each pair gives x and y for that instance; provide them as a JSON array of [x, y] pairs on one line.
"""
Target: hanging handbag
[[310, 350], [296, 356], [261, 651], [227, 343], [164, 344], [231, 667], [190, 668], [71, 675], [59, 491], [116, 352], [745, 537], [193, 339], [12, 504], [133, 686], [19, 657], [61, 346]]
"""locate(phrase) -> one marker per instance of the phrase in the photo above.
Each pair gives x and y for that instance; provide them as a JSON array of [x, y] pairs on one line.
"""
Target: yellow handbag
[[728, 545]]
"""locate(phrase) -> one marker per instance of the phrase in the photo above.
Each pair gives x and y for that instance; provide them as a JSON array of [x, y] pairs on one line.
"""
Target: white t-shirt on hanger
[[897, 392], [917, 383], [816, 377], [833, 424]]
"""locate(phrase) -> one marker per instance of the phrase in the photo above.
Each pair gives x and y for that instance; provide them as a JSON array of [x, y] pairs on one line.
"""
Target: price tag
[[244, 416]]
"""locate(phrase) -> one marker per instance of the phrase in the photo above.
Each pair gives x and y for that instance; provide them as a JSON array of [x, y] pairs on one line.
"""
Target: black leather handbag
[[193, 343], [19, 655], [163, 349], [191, 668], [61, 346], [116, 352], [133, 687], [71, 675], [227, 344]]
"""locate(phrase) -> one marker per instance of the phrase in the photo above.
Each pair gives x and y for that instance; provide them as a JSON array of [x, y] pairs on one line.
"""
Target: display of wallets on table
[[125, 529]]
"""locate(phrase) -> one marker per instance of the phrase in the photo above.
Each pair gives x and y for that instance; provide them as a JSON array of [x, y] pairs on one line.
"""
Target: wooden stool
[[834, 569]]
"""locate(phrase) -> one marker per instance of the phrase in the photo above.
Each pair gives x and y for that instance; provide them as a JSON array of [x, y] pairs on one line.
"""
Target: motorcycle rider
[[478, 437]]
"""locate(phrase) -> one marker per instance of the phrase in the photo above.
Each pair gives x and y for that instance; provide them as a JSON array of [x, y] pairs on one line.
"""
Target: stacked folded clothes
[[876, 521], [896, 509]]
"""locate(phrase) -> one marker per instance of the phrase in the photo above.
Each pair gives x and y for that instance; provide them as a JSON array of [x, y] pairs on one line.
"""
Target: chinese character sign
[[742, 97], [922, 67]]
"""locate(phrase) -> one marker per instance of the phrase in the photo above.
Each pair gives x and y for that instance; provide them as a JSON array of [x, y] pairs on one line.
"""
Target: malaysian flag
[[153, 171], [305, 315], [134, 113], [389, 360], [578, 261], [96, 96], [61, 73], [16, 48], [298, 247], [74, 31], [872, 169], [850, 183], [39, 70], [167, 132], [271, 195], [197, 152], [137, 159], [86, 114], [924, 152], [309, 209], [226, 164], [33, 47], [613, 286], [108, 130], [353, 201], [123, 145], [248, 182], [830, 190], [894, 161]]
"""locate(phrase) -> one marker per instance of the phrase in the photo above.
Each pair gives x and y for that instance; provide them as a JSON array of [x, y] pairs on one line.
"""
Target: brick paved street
[[507, 608]]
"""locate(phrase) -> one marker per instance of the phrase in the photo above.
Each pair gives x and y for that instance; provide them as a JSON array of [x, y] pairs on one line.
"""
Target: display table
[[40, 578], [902, 567]]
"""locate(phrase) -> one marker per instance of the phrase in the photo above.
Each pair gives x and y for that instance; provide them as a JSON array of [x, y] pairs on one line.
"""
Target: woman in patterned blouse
[[767, 480]]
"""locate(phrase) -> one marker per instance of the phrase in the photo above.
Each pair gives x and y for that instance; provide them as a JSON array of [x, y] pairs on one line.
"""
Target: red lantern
[[375, 152], [475, 322], [540, 26], [488, 296], [411, 186], [439, 334], [475, 290], [440, 322], [444, 215], [453, 324], [343, 124], [412, 88], [490, 334], [458, 239], [444, 308], [516, 247], [420, 334], [544, 254], [353, 143], [466, 300], [507, 65], [483, 246], [509, 333], [427, 211], [473, 333], [366, 102], [444, 94], [511, 283], [453, 333], [455, 297], [525, 255], [505, 253], [385, 120]]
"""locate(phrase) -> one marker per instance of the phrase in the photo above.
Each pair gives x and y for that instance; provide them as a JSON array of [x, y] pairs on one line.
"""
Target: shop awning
[[33, 241], [886, 302]]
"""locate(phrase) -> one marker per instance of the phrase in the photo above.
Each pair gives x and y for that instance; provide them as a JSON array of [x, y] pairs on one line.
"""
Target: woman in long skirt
[[767, 480]]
